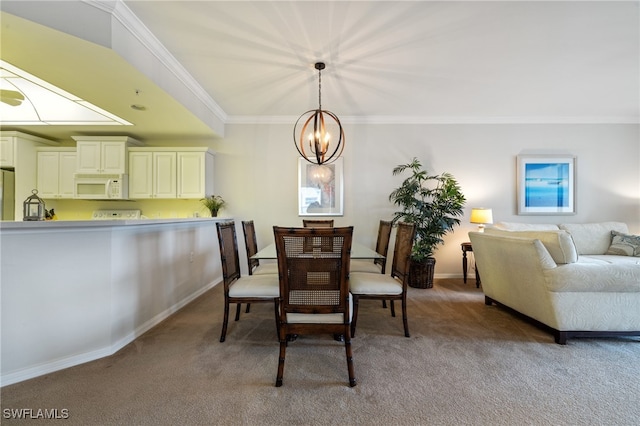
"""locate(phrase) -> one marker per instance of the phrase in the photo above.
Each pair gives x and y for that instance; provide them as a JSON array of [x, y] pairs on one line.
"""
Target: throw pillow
[[624, 244]]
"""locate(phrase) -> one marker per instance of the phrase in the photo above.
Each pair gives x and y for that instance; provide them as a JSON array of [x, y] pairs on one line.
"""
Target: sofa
[[578, 280]]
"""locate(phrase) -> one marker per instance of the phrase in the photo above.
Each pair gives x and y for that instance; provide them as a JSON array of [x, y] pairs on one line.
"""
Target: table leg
[[464, 266]]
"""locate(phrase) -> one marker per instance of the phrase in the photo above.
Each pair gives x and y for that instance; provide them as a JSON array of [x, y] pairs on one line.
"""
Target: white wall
[[256, 172]]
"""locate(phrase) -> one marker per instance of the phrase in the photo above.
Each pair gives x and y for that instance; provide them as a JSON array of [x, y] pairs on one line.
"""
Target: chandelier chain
[[320, 89]]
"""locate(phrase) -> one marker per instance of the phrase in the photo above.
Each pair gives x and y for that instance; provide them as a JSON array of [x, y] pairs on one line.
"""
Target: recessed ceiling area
[[387, 61], [29, 101]]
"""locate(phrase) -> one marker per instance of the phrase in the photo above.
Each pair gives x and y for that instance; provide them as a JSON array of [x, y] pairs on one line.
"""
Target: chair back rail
[[317, 223]]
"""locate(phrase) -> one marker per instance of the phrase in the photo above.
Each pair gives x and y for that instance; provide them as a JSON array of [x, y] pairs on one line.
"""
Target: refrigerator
[[7, 197]]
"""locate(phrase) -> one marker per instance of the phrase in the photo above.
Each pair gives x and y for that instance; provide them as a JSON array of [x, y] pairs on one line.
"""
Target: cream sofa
[[562, 277]]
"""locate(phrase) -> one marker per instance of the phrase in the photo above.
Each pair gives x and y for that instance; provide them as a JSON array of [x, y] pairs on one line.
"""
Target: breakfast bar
[[75, 291]]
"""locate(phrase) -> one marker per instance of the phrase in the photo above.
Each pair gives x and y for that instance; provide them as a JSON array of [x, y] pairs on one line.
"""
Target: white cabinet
[[55, 170], [7, 151], [170, 172], [103, 154], [195, 178], [18, 150], [152, 174]]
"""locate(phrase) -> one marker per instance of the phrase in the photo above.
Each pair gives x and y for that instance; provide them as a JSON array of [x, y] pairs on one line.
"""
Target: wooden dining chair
[[317, 223], [365, 285], [239, 289], [251, 245], [314, 288], [378, 265]]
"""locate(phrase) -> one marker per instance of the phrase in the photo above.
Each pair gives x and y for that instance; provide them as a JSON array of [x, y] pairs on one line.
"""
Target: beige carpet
[[464, 364]]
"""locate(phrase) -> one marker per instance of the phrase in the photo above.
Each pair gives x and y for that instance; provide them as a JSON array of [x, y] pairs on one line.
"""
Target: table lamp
[[481, 216]]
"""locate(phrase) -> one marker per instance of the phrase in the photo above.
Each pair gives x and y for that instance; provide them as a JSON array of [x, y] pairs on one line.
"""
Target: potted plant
[[213, 203], [433, 203]]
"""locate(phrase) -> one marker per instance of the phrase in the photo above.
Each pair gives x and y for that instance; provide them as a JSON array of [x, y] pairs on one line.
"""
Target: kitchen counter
[[76, 291], [54, 224]]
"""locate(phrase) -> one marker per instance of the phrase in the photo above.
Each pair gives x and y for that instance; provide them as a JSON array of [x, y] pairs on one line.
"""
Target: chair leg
[[248, 307], [404, 315], [393, 308], [283, 350], [354, 318], [384, 304], [225, 321], [349, 353], [238, 307], [277, 309]]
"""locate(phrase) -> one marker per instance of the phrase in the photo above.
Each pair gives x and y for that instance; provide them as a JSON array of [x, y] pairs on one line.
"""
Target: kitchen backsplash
[[152, 209]]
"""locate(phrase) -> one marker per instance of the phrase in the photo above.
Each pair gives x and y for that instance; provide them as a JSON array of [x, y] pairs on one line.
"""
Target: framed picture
[[320, 188], [546, 184]]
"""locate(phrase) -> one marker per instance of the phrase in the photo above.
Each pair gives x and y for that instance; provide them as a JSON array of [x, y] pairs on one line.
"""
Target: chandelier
[[314, 130]]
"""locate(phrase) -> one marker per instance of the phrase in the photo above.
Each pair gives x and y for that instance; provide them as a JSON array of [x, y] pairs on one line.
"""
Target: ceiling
[[199, 65]]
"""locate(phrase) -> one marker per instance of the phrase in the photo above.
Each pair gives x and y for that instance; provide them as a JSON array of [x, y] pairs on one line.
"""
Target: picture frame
[[546, 184], [320, 188]]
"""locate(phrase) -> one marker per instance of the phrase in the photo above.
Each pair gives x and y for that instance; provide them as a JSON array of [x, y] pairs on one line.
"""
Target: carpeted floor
[[464, 364]]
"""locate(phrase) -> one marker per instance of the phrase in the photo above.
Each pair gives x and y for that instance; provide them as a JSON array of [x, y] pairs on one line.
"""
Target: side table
[[465, 248]]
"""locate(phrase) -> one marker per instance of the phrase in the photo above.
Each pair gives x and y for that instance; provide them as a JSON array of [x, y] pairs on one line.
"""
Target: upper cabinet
[[195, 174], [170, 173], [152, 174], [56, 167], [7, 151], [103, 154]]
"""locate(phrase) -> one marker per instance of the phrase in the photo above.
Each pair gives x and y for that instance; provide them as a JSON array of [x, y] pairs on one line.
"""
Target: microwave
[[101, 186]]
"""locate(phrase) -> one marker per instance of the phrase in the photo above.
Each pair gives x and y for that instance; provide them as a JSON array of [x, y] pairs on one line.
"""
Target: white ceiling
[[387, 61]]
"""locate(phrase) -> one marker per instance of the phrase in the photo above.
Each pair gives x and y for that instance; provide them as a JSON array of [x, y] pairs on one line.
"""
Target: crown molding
[[281, 119], [140, 32]]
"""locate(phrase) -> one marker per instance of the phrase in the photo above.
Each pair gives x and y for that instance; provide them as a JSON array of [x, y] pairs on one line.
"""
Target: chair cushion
[[361, 265], [366, 283], [266, 286], [266, 268], [320, 318]]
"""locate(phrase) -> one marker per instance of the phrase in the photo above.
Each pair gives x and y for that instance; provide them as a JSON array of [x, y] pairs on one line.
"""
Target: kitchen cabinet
[[195, 177], [7, 151], [103, 154], [55, 170], [18, 151], [152, 174], [170, 172]]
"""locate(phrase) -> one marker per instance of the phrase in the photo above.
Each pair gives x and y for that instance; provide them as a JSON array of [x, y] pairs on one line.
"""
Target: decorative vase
[[421, 273], [214, 213]]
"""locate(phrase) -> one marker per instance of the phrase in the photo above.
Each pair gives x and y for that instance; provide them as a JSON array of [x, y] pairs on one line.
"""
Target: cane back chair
[[251, 245], [314, 289], [239, 289], [383, 287]]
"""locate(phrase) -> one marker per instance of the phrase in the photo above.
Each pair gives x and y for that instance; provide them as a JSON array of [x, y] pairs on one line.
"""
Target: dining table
[[358, 251]]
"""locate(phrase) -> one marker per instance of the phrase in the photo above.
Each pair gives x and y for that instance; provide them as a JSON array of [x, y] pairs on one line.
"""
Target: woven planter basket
[[421, 273]]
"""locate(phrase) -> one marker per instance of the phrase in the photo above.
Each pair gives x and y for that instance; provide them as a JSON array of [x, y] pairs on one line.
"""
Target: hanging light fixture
[[318, 134]]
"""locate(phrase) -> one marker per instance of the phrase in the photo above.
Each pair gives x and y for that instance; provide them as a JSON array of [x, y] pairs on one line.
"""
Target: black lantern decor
[[33, 207]]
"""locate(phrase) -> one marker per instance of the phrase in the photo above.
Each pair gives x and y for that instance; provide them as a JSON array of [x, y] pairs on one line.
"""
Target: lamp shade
[[481, 215]]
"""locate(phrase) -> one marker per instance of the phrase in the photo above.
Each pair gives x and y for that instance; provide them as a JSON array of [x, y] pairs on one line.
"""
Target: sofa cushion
[[624, 244], [558, 243], [593, 238], [515, 226]]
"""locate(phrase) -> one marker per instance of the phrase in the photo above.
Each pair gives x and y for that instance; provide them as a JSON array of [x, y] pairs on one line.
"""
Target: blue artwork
[[546, 185]]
